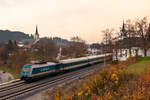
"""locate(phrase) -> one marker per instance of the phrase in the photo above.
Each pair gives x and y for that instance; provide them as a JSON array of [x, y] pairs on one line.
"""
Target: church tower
[[123, 32], [36, 36]]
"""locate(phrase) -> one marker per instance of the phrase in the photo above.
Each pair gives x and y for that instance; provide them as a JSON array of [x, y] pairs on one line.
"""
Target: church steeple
[[36, 36], [123, 31], [123, 26], [36, 32]]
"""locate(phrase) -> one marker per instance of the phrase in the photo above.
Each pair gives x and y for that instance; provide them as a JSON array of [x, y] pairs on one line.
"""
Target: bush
[[17, 60], [115, 83]]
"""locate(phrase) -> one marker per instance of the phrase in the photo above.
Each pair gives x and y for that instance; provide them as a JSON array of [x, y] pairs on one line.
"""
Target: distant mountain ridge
[[6, 35]]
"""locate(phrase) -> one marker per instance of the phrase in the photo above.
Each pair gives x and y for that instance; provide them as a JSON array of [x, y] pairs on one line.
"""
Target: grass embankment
[[128, 80], [140, 66]]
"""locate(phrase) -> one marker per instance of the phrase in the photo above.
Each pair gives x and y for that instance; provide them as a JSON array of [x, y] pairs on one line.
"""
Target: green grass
[[140, 66], [6, 69]]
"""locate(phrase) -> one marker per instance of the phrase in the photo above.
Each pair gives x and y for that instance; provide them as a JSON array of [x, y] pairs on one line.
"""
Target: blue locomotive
[[33, 71]]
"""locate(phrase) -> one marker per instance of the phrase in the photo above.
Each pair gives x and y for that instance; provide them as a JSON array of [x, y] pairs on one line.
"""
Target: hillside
[[6, 35]]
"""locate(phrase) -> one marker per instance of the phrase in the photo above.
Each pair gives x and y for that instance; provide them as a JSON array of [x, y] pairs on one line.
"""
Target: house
[[95, 49]]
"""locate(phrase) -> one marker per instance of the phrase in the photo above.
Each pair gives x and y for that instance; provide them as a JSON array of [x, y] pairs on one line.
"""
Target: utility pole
[[104, 58], [105, 47]]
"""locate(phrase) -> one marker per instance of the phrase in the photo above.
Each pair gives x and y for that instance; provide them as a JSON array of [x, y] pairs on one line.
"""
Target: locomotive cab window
[[27, 68]]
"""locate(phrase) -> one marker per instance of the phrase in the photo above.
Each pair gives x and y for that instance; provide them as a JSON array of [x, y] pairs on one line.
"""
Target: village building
[[126, 47]]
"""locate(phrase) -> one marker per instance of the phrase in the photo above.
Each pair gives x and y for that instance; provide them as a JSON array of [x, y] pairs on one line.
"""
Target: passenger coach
[[37, 70]]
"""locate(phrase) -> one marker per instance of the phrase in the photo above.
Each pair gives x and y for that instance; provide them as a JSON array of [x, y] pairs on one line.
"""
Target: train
[[40, 69]]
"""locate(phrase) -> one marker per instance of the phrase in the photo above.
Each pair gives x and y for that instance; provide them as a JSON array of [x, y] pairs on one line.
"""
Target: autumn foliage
[[115, 83]]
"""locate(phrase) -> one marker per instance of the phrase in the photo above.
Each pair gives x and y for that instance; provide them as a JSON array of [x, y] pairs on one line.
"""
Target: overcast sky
[[68, 18]]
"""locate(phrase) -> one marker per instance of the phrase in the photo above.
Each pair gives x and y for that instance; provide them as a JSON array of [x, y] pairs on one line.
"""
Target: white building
[[124, 54], [122, 51]]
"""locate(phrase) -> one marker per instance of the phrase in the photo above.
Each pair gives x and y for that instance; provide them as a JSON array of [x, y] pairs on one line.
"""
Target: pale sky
[[68, 18]]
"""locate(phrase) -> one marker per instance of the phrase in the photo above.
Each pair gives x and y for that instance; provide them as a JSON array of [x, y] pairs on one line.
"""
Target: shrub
[[114, 83]]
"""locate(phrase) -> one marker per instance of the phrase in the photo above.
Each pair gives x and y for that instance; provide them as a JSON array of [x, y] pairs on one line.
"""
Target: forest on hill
[[6, 35]]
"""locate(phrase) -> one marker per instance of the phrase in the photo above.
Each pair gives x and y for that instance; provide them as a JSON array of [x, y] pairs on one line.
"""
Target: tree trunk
[[145, 52], [129, 52], [136, 52], [116, 53]]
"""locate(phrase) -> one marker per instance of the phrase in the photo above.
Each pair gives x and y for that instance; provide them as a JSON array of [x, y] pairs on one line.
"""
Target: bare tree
[[130, 29], [3, 54], [17, 60], [107, 39], [65, 51], [78, 47], [141, 29], [45, 50]]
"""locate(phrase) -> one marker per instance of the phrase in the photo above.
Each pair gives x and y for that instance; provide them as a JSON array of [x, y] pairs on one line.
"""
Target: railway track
[[13, 92], [10, 83], [11, 87]]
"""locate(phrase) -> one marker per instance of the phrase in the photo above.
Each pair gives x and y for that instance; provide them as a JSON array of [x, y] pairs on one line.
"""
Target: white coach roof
[[73, 60]]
